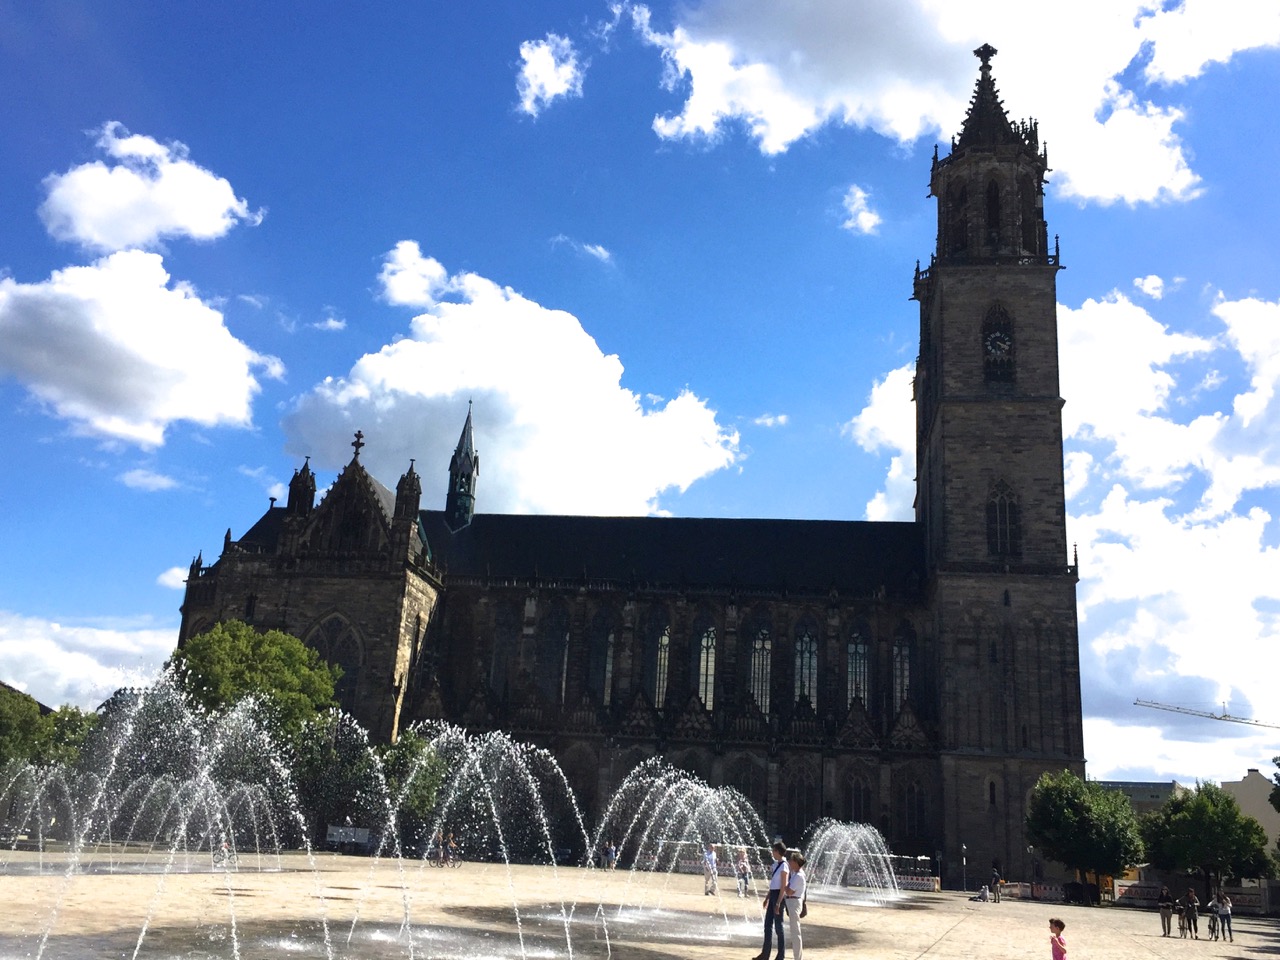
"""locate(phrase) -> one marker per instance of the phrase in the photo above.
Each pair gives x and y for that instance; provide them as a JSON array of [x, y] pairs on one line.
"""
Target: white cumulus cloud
[[148, 480], [175, 578], [548, 69], [888, 423], [771, 420], [902, 68], [82, 665], [857, 204], [142, 193], [118, 351], [557, 431]]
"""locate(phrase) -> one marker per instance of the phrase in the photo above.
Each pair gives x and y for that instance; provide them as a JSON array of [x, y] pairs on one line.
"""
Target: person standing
[[710, 871], [797, 882], [742, 870], [610, 855], [1224, 917], [772, 903], [995, 883], [1165, 903], [1057, 943], [1192, 903]]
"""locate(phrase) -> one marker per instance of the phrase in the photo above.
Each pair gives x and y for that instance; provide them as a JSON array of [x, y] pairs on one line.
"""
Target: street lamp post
[[1031, 850], [964, 867]]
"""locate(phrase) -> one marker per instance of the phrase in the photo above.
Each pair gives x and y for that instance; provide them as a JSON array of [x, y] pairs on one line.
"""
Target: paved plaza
[[470, 912]]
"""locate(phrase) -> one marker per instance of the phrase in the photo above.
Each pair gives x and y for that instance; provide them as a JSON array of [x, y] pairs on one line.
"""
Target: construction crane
[[1205, 713]]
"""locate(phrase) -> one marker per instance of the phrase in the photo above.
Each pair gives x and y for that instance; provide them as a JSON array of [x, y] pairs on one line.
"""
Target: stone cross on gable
[[358, 442]]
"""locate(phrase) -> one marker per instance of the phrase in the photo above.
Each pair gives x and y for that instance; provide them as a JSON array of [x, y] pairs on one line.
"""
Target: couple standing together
[[786, 891]]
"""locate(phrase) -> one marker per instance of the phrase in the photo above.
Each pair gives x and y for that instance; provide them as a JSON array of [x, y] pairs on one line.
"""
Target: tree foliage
[[232, 660], [1082, 825], [1204, 829], [21, 725], [44, 739]]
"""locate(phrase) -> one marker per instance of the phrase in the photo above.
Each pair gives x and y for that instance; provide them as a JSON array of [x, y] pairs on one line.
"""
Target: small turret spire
[[464, 470]]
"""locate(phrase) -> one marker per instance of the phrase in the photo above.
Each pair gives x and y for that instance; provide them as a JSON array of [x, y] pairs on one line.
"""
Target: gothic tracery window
[[657, 657], [339, 643], [912, 810], [860, 800], [552, 652], [857, 667], [1004, 522], [761, 661], [506, 642], [806, 653], [705, 648], [993, 215], [902, 644], [600, 652]]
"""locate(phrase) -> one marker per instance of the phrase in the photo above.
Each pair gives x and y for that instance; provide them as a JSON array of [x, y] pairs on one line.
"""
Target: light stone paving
[[470, 912]]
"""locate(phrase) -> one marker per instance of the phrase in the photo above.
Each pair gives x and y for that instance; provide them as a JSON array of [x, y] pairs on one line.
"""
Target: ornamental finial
[[358, 442], [985, 53]]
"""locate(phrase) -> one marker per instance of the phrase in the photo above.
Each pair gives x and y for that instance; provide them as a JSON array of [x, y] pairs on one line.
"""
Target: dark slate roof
[[986, 124], [857, 558], [264, 534]]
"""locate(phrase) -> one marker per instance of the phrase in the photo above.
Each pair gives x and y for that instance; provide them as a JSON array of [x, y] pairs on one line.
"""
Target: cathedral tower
[[990, 495]]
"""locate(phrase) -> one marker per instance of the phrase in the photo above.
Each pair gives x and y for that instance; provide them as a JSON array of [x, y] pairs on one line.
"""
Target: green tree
[[232, 660], [413, 773], [1204, 829], [63, 735], [1081, 824], [21, 725]]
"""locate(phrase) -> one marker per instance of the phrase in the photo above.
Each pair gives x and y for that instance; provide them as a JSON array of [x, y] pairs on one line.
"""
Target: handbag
[[804, 905]]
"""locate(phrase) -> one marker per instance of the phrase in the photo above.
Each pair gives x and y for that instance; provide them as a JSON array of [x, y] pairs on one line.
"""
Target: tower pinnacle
[[464, 470]]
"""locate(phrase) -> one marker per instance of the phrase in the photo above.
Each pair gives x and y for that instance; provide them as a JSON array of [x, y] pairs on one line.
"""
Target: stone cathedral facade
[[918, 676]]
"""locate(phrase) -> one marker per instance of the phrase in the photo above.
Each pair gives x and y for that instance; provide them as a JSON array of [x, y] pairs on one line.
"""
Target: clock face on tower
[[998, 344]]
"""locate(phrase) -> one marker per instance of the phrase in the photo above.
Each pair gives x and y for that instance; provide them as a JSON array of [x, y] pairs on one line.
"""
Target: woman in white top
[[796, 884], [772, 904]]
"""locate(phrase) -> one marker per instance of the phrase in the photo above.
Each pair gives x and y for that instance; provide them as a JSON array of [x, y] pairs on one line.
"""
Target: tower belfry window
[[993, 215], [761, 659], [1004, 522], [806, 665]]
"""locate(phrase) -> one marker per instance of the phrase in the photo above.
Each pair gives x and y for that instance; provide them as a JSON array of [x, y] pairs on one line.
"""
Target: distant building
[[1253, 793], [1146, 795], [917, 676]]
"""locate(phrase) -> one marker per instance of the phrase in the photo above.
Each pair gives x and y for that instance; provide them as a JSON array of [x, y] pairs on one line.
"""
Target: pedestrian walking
[[1193, 913], [710, 871], [1224, 917], [772, 903], [795, 894], [1165, 904]]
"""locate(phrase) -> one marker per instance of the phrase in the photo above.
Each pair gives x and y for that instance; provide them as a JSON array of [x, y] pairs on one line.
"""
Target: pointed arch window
[[657, 657], [913, 810], [1027, 213], [552, 652], [860, 800], [761, 661], [506, 642], [1004, 522], [993, 214], [857, 667], [902, 645], [705, 663], [600, 651], [957, 223], [339, 644], [806, 664], [999, 354]]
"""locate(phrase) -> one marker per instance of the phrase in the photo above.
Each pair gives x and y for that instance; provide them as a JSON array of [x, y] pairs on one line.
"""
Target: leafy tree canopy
[[21, 725], [1082, 825], [231, 661], [1204, 829]]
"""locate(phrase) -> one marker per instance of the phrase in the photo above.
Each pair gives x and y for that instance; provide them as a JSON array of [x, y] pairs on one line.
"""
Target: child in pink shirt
[[1056, 942]]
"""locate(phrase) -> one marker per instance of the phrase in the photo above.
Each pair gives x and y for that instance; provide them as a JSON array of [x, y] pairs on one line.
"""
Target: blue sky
[[667, 250]]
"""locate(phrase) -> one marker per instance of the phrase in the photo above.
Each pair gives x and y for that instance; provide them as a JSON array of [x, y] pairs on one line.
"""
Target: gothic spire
[[464, 469], [986, 124]]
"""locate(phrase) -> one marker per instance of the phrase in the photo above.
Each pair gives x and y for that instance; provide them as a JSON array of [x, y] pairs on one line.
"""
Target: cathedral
[[918, 676]]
